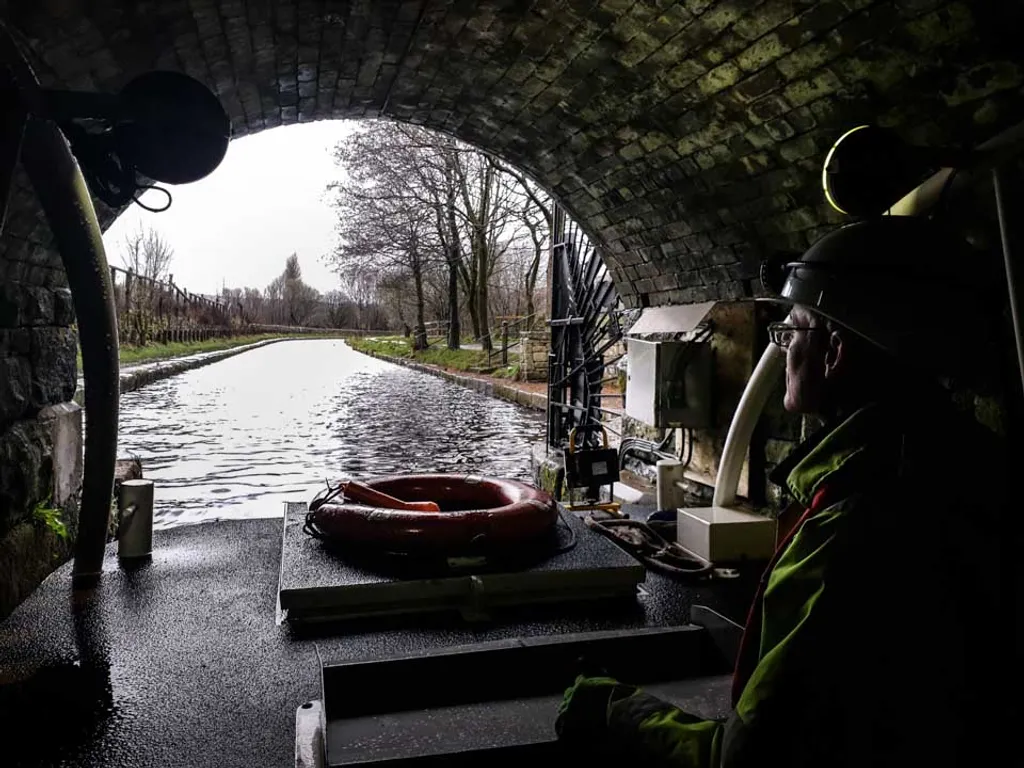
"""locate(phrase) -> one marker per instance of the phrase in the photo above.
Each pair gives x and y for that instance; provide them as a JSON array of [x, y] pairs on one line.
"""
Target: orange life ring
[[477, 513]]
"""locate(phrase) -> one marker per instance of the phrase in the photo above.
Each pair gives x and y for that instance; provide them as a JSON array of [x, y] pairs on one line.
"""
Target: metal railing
[[585, 329], [151, 310], [518, 323]]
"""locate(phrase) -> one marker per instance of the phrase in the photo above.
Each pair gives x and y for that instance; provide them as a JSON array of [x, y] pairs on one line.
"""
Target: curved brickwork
[[686, 137]]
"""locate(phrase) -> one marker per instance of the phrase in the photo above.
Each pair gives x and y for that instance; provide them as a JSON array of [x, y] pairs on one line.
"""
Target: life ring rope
[[471, 514]]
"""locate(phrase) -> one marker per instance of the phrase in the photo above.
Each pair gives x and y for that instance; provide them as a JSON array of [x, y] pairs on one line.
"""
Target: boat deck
[[182, 662]]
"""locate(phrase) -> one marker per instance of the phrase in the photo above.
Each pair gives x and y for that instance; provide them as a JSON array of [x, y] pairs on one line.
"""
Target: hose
[[65, 200]]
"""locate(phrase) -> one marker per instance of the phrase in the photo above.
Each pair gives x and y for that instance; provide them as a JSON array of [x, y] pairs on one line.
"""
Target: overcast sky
[[239, 224]]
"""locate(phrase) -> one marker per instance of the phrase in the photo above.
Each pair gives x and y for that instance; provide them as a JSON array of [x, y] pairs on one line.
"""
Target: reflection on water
[[240, 437]]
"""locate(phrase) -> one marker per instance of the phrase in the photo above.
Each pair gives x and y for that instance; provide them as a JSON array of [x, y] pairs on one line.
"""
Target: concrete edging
[[533, 400], [147, 373]]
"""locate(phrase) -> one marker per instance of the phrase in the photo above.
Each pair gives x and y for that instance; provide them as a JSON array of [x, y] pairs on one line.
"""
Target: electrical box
[[720, 535], [669, 383]]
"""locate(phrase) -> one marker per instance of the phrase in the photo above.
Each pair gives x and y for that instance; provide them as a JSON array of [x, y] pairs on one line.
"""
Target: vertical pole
[[1005, 192], [504, 342]]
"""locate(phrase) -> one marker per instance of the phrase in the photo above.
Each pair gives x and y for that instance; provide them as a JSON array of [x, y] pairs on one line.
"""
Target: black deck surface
[[182, 663], [317, 578]]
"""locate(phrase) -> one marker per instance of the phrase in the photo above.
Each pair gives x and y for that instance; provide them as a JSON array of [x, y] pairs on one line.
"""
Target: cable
[[138, 202], [650, 548], [571, 544]]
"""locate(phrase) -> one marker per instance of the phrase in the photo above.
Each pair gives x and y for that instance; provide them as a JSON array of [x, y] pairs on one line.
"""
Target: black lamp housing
[[869, 169], [162, 126]]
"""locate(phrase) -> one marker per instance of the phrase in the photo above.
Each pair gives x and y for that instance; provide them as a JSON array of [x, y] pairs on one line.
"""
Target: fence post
[[504, 342]]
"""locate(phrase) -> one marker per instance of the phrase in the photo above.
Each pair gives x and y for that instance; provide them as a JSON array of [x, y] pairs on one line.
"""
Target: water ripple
[[239, 438]]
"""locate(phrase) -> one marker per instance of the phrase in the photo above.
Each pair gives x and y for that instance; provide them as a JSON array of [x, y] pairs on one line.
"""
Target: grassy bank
[[438, 354], [153, 352]]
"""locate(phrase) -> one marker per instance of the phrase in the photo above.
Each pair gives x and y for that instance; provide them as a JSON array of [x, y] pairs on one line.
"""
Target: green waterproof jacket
[[876, 639]]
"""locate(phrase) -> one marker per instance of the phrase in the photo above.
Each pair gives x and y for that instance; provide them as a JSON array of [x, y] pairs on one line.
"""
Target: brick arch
[[686, 137]]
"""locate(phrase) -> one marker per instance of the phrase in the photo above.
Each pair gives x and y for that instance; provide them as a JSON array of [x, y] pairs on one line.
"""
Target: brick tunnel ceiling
[[686, 137]]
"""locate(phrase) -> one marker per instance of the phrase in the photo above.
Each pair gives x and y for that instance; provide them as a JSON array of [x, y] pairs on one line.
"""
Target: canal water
[[238, 438]]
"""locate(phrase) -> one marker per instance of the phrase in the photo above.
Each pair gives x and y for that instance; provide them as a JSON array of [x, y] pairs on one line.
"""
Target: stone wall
[[40, 431], [686, 137], [535, 346]]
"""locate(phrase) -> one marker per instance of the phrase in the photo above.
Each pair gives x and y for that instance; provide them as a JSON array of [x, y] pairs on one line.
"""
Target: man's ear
[[834, 355]]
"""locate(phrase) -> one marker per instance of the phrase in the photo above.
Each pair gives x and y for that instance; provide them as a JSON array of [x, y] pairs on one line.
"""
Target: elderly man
[[874, 632]]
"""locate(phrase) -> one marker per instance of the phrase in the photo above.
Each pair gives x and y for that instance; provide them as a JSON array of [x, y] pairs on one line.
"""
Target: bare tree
[[295, 302], [147, 254], [538, 217], [386, 217], [438, 211]]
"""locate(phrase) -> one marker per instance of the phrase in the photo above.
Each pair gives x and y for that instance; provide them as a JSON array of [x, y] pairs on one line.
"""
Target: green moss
[[400, 346], [50, 517]]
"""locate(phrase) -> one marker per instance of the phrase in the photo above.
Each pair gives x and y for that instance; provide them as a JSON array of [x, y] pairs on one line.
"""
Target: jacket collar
[[835, 451]]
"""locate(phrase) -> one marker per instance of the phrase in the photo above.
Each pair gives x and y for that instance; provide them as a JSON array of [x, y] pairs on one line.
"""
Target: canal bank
[[535, 398], [485, 386], [133, 377]]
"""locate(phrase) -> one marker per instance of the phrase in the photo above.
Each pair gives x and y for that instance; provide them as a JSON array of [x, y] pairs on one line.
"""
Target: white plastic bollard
[[670, 471], [135, 532]]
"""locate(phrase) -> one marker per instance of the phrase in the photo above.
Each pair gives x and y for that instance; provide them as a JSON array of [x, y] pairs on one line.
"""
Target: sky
[[237, 226]]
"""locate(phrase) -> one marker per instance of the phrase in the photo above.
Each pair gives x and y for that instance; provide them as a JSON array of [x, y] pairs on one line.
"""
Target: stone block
[[805, 60], [64, 422], [10, 304], [766, 50], [759, 85], [15, 388], [719, 78], [63, 307], [25, 471], [798, 149], [28, 554], [53, 365], [805, 91]]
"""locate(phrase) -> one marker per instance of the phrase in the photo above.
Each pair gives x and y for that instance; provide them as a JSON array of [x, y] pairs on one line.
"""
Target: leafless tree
[[295, 301], [147, 254], [460, 208]]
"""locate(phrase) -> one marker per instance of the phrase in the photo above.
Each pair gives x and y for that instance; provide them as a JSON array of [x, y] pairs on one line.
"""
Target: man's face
[[805, 363]]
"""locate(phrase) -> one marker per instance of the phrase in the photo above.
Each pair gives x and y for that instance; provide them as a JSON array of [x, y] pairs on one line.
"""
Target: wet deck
[[181, 662]]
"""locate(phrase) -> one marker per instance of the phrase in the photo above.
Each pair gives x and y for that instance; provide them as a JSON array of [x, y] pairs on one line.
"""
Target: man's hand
[[586, 706]]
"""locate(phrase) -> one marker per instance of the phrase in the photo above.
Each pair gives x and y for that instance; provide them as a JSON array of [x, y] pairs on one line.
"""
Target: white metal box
[[721, 535], [668, 383]]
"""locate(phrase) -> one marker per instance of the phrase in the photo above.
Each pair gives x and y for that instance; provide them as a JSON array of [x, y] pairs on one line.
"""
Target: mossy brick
[[764, 82], [945, 25], [684, 73], [768, 16], [780, 130], [757, 162], [719, 78], [763, 52], [758, 137], [983, 81], [804, 91], [767, 108], [806, 59], [544, 87], [813, 22]]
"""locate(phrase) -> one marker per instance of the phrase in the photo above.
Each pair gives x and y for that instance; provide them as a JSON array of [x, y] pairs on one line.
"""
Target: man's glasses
[[782, 334]]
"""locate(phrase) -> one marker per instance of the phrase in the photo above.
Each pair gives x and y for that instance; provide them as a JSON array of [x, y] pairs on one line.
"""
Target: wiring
[[138, 202], [650, 548]]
